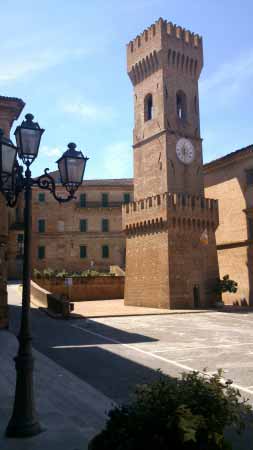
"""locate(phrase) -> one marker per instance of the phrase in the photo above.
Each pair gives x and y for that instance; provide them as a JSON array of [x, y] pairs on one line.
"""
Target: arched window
[[169, 56], [196, 104], [173, 57], [148, 107], [181, 105]]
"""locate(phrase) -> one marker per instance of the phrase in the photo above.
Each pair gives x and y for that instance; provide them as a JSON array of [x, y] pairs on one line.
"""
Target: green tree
[[226, 285]]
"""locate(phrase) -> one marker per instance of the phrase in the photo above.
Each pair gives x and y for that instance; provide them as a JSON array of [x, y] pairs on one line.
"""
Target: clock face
[[185, 151]]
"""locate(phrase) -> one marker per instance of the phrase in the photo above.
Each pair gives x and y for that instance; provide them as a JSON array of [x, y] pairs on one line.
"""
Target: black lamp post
[[24, 421]]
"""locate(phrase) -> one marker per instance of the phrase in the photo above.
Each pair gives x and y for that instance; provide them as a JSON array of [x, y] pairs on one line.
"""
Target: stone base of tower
[[171, 256], [147, 270]]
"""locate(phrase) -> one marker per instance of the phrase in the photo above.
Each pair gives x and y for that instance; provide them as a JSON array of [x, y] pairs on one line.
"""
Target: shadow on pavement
[[83, 354]]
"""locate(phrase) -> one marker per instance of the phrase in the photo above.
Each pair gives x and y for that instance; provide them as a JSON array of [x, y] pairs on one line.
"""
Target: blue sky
[[66, 60]]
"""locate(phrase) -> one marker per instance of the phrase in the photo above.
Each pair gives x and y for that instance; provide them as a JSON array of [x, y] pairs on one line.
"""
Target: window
[[60, 226], [20, 245], [82, 200], [83, 225], [41, 197], [83, 251], [148, 108], [181, 105], [126, 197], [41, 225], [105, 199], [250, 227], [20, 237], [17, 214], [249, 177], [196, 104], [105, 225], [105, 251], [41, 252]]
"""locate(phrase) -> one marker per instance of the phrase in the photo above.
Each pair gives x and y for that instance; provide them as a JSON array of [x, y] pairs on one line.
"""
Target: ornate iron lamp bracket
[[47, 182]]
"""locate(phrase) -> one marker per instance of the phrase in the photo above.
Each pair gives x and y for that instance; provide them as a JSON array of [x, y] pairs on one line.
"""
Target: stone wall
[[86, 288]]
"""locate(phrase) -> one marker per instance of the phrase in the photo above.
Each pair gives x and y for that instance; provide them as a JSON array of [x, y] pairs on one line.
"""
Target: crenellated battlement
[[145, 52], [152, 33], [162, 27], [171, 208], [186, 36]]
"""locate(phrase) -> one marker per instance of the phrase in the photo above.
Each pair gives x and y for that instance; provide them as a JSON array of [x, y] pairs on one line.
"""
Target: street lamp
[[24, 421]]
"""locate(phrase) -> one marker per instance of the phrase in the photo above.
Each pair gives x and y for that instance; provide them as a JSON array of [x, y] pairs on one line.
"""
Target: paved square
[[177, 343]]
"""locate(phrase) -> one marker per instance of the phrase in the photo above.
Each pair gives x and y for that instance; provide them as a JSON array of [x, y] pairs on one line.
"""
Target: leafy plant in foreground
[[190, 413]]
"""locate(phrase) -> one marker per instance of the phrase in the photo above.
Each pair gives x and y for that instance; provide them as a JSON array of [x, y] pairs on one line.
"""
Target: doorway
[[196, 296]]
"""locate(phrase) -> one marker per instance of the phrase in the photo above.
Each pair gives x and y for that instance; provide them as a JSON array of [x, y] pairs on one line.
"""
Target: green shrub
[[226, 285], [190, 413], [37, 273], [48, 273], [62, 274], [94, 273], [75, 275]]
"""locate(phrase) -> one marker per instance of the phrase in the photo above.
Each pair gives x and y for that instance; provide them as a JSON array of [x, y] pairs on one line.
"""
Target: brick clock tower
[[171, 257]]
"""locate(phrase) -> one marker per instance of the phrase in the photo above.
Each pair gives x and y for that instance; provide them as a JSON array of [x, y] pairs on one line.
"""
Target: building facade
[[10, 109], [230, 180], [81, 234], [171, 256]]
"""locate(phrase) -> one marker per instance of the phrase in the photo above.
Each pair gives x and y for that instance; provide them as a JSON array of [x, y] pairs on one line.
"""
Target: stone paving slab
[[70, 411], [116, 308]]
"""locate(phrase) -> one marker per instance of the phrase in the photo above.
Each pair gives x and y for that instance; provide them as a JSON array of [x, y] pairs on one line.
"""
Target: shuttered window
[[82, 200], [105, 225], [83, 225], [41, 225], [105, 199], [41, 252], [83, 251], [105, 251]]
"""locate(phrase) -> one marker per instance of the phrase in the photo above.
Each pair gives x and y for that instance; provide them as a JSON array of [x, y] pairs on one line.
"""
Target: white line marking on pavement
[[202, 346], [72, 346], [115, 341], [161, 358]]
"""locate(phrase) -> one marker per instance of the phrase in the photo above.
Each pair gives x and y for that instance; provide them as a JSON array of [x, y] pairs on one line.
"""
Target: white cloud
[[19, 63], [88, 111], [118, 160], [229, 81], [50, 152]]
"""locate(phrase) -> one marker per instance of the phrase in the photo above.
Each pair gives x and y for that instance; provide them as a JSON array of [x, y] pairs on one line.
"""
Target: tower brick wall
[[162, 61], [171, 257]]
